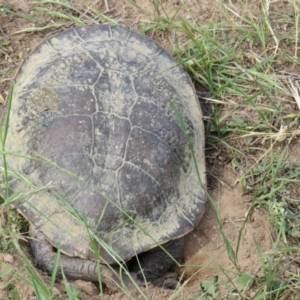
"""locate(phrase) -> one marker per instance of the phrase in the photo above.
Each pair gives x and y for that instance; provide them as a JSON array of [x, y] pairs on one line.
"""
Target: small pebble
[[260, 274], [87, 287], [56, 292], [252, 294], [287, 274], [294, 269], [8, 259], [2, 101]]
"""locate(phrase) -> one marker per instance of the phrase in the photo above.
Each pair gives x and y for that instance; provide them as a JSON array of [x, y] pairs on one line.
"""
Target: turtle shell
[[97, 148]]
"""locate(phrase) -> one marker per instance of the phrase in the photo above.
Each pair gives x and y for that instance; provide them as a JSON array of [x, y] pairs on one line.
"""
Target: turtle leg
[[75, 268], [154, 265]]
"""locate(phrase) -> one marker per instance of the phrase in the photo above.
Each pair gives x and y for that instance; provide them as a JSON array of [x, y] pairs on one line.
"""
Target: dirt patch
[[12, 283], [205, 253], [205, 246]]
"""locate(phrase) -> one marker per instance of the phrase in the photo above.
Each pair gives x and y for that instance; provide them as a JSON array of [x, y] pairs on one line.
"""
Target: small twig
[[266, 12], [295, 91], [106, 5], [296, 10], [6, 79], [233, 222]]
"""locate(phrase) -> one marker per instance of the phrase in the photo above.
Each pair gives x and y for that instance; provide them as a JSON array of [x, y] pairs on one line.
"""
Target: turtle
[[106, 141]]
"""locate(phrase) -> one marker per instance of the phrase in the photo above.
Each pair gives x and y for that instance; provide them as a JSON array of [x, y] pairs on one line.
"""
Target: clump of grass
[[241, 79]]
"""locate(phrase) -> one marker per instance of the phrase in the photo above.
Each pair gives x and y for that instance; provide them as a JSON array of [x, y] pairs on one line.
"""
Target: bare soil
[[205, 252]]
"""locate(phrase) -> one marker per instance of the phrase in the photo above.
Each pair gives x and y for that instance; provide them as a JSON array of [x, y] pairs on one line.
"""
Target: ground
[[245, 225], [205, 252]]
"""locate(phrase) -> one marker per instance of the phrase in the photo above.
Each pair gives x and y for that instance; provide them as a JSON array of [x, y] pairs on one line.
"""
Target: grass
[[246, 56]]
